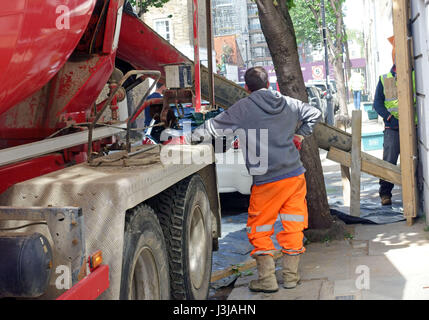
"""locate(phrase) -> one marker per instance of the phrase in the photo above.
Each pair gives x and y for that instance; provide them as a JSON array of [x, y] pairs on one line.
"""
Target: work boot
[[386, 200], [290, 271], [267, 281]]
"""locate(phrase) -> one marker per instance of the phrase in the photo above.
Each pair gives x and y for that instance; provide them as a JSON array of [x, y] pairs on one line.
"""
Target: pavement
[[388, 261]]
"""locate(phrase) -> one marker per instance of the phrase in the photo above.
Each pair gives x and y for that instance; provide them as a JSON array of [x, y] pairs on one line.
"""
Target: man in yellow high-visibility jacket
[[386, 105]]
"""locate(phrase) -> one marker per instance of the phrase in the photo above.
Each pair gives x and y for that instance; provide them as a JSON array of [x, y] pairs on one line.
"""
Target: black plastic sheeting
[[370, 214]]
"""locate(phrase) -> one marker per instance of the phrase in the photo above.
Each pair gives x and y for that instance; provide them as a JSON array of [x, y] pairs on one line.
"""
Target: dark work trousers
[[390, 154]]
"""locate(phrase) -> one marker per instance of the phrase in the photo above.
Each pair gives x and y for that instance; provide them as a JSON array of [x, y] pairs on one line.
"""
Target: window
[[252, 10], [162, 27], [260, 52], [254, 24], [265, 63], [257, 38]]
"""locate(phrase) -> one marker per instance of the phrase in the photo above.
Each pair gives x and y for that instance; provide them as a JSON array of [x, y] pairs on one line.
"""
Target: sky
[[354, 11]]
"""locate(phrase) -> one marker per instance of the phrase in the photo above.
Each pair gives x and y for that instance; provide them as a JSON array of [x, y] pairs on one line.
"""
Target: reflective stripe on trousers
[[287, 198], [291, 217]]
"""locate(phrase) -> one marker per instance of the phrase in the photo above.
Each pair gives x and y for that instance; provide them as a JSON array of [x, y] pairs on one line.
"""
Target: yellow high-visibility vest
[[391, 94]]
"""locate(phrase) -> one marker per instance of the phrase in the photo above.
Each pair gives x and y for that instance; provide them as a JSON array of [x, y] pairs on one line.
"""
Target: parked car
[[316, 99], [232, 173], [333, 89]]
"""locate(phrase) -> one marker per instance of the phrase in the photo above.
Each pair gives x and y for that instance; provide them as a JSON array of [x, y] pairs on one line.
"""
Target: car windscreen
[[310, 93], [321, 87]]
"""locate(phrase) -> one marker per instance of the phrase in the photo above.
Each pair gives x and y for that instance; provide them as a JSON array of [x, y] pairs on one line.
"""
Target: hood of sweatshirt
[[270, 101]]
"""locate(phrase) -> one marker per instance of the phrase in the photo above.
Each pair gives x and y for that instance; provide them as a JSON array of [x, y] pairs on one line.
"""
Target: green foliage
[[290, 4], [235, 268], [327, 239], [357, 36], [144, 5], [306, 27], [348, 236]]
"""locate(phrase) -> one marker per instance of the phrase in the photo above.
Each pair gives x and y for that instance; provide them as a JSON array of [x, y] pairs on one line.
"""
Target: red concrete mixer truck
[[84, 212]]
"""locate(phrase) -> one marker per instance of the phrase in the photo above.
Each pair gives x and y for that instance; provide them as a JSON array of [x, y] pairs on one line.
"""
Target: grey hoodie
[[266, 122]]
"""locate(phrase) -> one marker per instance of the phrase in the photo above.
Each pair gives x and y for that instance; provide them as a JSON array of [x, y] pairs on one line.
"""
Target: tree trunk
[[341, 87], [336, 58], [317, 199], [348, 65], [280, 36], [279, 33]]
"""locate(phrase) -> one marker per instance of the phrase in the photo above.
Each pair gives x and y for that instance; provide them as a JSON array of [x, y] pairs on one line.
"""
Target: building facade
[[230, 19], [240, 18], [420, 32], [377, 28], [258, 48], [174, 22]]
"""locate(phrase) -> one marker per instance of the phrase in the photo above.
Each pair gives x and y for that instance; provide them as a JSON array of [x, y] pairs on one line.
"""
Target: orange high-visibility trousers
[[287, 199]]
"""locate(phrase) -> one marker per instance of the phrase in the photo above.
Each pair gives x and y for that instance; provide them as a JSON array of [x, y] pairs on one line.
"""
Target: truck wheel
[[145, 259], [185, 217]]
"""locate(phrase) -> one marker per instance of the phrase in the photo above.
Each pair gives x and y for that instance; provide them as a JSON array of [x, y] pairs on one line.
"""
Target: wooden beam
[[328, 136], [356, 164], [370, 164], [407, 128], [345, 180], [345, 171]]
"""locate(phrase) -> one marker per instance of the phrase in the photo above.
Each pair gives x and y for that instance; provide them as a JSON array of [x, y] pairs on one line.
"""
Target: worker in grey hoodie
[[266, 123]]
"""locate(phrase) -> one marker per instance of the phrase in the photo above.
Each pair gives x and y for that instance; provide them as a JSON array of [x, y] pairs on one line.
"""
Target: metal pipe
[[197, 71], [46, 146], [131, 119], [210, 52], [109, 100]]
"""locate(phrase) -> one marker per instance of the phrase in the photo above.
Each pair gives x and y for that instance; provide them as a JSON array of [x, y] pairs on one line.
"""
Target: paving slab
[[346, 290], [394, 257], [392, 237], [306, 290]]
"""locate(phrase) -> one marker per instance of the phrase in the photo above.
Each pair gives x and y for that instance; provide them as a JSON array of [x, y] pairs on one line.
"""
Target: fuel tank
[[36, 39]]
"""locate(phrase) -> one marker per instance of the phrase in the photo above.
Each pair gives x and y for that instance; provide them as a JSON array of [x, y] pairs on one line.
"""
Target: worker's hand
[[393, 122], [297, 140]]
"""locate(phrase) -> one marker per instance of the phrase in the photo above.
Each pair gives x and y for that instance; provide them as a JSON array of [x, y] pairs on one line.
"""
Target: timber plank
[[370, 164], [407, 129], [328, 136], [356, 163]]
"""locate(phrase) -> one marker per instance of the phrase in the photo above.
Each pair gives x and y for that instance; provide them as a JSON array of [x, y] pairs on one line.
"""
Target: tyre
[[145, 259], [185, 217]]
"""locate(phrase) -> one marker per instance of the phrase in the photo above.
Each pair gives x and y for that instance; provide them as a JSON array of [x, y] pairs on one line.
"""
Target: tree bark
[[277, 27], [317, 198], [337, 57], [341, 87], [276, 24]]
